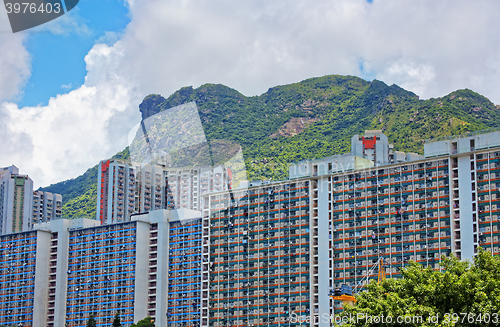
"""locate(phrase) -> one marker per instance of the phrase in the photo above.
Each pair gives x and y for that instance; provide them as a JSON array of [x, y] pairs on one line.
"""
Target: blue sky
[[58, 59]]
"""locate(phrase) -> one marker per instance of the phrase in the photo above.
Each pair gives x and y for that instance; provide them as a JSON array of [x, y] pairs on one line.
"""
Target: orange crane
[[381, 270], [345, 293]]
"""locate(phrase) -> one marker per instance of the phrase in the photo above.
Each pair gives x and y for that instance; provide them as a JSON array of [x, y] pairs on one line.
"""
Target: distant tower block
[[16, 194]]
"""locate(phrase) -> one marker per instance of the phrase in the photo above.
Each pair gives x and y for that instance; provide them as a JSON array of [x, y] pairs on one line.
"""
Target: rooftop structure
[[374, 146], [371, 149]]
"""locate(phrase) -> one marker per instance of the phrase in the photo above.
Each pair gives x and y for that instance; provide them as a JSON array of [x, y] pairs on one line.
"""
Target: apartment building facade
[[24, 262], [397, 213], [66, 270], [46, 206], [261, 254], [261, 257], [20, 206], [419, 209], [124, 189], [185, 287], [107, 273], [474, 188], [116, 191], [16, 198]]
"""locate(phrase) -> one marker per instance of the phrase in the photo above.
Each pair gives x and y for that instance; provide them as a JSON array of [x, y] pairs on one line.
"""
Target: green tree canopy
[[116, 321], [91, 321], [146, 322], [462, 294]]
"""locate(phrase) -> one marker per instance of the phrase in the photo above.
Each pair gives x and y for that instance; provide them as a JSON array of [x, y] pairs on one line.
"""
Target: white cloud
[[15, 61], [409, 75], [15, 65], [429, 47], [69, 135], [74, 130], [109, 38], [69, 23], [442, 46]]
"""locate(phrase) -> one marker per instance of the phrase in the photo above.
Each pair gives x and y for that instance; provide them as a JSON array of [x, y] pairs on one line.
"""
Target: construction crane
[[344, 293], [381, 274], [381, 270]]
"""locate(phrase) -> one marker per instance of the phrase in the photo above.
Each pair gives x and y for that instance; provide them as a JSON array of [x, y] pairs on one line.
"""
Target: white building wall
[[41, 278], [465, 203], [61, 227], [141, 275], [321, 253]]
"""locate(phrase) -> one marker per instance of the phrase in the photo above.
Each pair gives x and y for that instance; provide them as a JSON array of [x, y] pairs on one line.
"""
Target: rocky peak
[[149, 105]]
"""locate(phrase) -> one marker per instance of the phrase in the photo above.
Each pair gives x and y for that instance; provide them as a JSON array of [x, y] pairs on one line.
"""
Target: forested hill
[[310, 119]]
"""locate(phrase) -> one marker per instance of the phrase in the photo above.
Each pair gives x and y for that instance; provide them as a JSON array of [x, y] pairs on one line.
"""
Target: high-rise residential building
[[474, 172], [66, 270], [123, 190], [262, 254], [24, 282], [107, 273], [46, 206], [396, 213], [176, 277], [185, 187], [116, 191], [60, 274], [16, 194], [417, 211]]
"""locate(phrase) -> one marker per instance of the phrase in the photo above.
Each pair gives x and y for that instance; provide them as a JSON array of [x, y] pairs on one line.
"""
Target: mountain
[[311, 119]]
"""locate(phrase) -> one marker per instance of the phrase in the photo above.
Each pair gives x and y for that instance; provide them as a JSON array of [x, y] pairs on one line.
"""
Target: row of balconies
[[405, 170], [225, 222]]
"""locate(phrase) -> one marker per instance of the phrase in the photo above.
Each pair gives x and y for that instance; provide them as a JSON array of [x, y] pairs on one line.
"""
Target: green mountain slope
[[310, 119]]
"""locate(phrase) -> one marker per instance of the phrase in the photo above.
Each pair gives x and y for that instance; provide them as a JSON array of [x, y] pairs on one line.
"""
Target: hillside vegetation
[[311, 119]]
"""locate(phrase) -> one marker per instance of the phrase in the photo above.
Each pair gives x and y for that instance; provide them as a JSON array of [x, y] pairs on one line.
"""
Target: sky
[[70, 89]]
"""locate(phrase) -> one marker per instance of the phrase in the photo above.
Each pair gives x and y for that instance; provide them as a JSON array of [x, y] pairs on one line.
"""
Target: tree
[[91, 321], [463, 294], [146, 322], [117, 321]]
